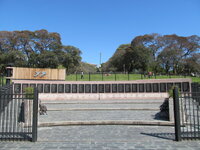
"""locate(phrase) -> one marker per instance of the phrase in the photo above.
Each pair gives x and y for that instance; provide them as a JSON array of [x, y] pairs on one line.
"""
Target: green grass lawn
[[121, 77]]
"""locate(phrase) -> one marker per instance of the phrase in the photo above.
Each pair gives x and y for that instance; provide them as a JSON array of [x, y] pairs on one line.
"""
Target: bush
[[29, 92], [170, 92]]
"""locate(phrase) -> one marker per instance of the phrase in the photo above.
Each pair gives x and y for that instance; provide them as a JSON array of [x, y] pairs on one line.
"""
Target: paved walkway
[[102, 137]]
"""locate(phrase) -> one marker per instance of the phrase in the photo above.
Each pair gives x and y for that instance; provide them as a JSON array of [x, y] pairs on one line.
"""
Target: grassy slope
[[120, 77]]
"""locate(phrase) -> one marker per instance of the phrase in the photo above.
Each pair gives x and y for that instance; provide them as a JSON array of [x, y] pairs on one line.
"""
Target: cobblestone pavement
[[102, 137], [97, 137]]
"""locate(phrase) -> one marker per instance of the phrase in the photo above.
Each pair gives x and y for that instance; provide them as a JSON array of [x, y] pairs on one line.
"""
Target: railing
[[117, 76], [18, 115], [187, 115]]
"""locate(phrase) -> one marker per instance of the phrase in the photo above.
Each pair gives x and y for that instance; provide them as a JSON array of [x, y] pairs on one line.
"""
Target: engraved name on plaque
[[54, 88], [47, 88], [67, 88], [107, 88], [60, 88], [114, 88], [74, 88], [40, 88], [88, 88]]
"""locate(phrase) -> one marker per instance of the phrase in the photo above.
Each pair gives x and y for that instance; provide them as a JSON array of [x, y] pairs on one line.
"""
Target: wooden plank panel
[[38, 73]]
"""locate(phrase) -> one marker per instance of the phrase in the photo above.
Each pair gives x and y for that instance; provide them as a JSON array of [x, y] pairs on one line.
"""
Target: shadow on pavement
[[167, 136]]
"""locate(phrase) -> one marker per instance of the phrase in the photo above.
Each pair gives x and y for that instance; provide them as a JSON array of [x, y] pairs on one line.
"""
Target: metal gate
[[2, 80], [18, 115], [187, 115]]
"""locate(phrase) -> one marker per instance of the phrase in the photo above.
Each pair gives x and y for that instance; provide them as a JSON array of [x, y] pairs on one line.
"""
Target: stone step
[[128, 101], [57, 107], [103, 105], [106, 122], [86, 115]]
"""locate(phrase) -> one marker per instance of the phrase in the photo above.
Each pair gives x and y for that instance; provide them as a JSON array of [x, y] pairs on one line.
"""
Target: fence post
[[176, 115], [35, 116], [89, 76], [76, 76], [102, 75], [115, 76], [128, 76]]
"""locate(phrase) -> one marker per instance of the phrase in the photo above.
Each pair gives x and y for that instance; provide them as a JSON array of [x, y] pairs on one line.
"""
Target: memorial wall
[[51, 84], [138, 86]]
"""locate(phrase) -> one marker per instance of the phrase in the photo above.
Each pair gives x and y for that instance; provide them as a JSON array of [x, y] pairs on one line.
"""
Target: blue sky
[[96, 26]]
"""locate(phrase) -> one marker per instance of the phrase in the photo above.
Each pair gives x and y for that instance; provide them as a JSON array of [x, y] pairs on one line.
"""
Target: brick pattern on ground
[[102, 137]]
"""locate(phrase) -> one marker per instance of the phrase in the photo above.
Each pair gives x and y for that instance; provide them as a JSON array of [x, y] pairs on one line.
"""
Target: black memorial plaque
[[121, 88], [148, 87], [24, 86], [127, 88], [178, 85], [134, 88], [40, 88], [169, 86], [17, 88], [88, 88], [47, 88], [107, 88], [81, 88], [54, 88], [67, 88], [185, 87], [155, 87], [61, 88], [114, 88], [101, 88], [74, 88], [141, 88], [163, 87], [94, 88], [33, 85]]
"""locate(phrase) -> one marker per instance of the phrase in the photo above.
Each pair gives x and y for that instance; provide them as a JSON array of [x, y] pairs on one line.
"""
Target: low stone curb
[[88, 103], [103, 109], [105, 122]]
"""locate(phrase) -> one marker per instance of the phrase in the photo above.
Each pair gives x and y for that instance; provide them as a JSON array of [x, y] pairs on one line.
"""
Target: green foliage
[[170, 92], [115, 63], [158, 54], [119, 77], [40, 48], [150, 52], [70, 58], [86, 67], [29, 92]]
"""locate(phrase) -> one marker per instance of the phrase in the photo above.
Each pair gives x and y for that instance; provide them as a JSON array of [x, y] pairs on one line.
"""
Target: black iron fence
[[117, 76], [187, 115], [18, 115]]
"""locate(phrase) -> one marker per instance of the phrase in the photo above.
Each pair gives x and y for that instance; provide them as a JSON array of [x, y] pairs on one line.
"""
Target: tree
[[137, 58], [116, 62], [37, 49], [177, 49], [47, 59], [192, 64], [70, 58]]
